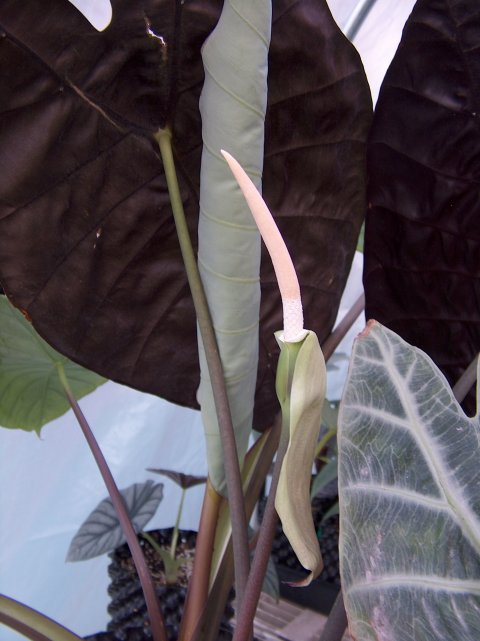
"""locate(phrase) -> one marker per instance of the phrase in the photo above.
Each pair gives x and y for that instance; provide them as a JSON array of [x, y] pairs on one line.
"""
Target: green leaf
[[332, 511], [302, 406], [327, 474], [183, 480], [271, 582], [31, 393], [409, 479], [102, 532]]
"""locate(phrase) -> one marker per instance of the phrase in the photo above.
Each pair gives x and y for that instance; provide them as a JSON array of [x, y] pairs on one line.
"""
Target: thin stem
[[32, 624], [466, 380], [332, 342], [153, 607], [357, 18], [215, 368], [337, 621], [246, 612], [197, 594], [173, 544]]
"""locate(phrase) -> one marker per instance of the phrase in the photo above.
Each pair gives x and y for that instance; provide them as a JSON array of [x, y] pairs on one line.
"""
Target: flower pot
[[129, 619]]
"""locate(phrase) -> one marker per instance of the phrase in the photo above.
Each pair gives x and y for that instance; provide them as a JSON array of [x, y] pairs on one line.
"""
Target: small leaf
[[332, 511], [183, 480], [271, 582], [31, 393], [102, 532], [409, 479], [292, 501], [327, 474]]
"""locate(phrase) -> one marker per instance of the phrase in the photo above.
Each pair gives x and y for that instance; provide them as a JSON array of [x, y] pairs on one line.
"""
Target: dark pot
[[129, 619]]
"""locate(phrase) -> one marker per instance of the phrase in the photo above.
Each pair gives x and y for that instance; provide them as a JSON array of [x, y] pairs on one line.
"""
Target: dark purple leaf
[[422, 244], [183, 480], [87, 242]]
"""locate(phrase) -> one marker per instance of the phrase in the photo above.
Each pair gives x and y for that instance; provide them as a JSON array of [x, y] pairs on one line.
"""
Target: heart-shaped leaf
[[183, 480], [101, 532], [31, 393], [423, 228], [409, 487], [87, 241]]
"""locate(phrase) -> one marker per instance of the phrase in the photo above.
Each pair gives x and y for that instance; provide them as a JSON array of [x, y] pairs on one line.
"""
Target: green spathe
[[409, 487], [301, 380], [31, 393]]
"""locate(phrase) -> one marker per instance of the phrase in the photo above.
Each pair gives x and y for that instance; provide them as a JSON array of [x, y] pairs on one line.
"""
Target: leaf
[[31, 393], [303, 409], [87, 242], [409, 498], [423, 227], [185, 481], [326, 475], [232, 105], [101, 532]]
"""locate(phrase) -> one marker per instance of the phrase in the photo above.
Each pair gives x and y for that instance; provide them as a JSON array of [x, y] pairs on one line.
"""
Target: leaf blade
[[410, 517], [101, 532]]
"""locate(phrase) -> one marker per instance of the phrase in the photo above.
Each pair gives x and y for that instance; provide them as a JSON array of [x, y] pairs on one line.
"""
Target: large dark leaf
[[87, 242], [422, 267]]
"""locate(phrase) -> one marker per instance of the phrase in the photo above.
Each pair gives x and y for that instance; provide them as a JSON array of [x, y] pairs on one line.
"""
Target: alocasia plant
[[86, 231], [409, 497]]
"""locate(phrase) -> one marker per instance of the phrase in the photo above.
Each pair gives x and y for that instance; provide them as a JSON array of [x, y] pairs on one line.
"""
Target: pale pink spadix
[[293, 330]]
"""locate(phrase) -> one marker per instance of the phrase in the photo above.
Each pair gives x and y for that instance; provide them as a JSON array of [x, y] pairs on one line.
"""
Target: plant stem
[[466, 381], [215, 368], [173, 544], [337, 621], [153, 607], [331, 343], [246, 612], [32, 624], [197, 594]]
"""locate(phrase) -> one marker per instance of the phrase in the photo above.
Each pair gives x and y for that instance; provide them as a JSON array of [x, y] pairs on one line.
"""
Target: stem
[[337, 621], [197, 594], [153, 608], [246, 612], [173, 544], [466, 380], [331, 343], [32, 624], [148, 537], [215, 368]]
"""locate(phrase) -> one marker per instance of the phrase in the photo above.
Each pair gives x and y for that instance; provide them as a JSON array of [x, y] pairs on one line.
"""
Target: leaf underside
[[409, 484], [31, 393], [422, 241], [87, 241], [101, 532], [185, 481]]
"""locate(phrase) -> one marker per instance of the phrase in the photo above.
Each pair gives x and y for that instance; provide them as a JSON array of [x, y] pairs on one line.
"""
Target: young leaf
[[409, 483], [101, 532], [233, 104], [31, 394], [183, 480], [423, 228]]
